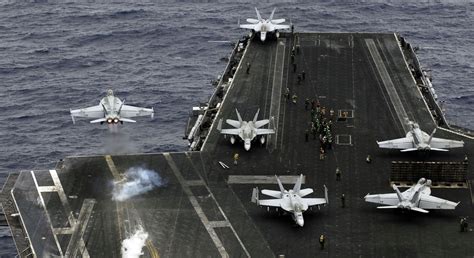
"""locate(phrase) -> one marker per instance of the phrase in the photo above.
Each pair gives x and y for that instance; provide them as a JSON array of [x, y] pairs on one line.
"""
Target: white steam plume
[[132, 246], [137, 181]]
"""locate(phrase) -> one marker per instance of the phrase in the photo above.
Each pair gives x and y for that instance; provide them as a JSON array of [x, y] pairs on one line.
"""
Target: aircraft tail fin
[[219, 125], [419, 210], [438, 149], [72, 117], [271, 15], [297, 186], [120, 108], [409, 149], [282, 190], [238, 116], [127, 120], [255, 195], [256, 116], [326, 196], [100, 120], [431, 136], [258, 14], [399, 195], [387, 207]]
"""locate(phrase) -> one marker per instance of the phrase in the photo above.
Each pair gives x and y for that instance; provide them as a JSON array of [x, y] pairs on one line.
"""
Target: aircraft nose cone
[[247, 145], [300, 222]]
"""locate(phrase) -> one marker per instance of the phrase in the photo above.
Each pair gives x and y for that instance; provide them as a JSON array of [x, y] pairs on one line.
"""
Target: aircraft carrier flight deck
[[372, 82]]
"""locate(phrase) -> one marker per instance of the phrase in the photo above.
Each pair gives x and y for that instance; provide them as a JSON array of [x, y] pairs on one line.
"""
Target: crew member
[[368, 159], [343, 200], [322, 239], [338, 174], [248, 67], [321, 153], [236, 158]]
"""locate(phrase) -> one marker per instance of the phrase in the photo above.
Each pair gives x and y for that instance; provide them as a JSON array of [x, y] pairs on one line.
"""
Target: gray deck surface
[[197, 214]]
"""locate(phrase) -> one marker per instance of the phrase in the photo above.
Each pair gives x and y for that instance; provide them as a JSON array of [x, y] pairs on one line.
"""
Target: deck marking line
[[212, 233], [219, 207], [388, 84]]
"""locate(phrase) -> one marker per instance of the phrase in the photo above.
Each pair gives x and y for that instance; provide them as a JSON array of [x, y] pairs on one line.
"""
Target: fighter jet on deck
[[247, 131], [263, 26], [419, 140], [111, 110], [416, 198], [290, 200]]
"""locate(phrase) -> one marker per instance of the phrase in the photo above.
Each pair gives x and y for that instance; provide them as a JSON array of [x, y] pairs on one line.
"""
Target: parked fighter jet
[[112, 111], [416, 198], [290, 200], [419, 140], [247, 131], [263, 26]]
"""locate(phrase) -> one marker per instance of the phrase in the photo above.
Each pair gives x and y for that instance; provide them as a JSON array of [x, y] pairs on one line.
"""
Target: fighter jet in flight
[[111, 110], [292, 200], [263, 26], [416, 139], [417, 198], [247, 131]]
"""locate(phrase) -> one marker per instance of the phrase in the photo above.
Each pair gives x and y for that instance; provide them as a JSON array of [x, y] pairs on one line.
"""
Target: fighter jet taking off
[[247, 131], [419, 140], [111, 110], [291, 200], [417, 198], [263, 26]]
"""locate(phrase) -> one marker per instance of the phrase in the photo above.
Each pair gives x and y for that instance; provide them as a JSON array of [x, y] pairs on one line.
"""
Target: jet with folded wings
[[417, 198], [416, 140], [264, 26], [292, 200], [247, 131], [111, 110]]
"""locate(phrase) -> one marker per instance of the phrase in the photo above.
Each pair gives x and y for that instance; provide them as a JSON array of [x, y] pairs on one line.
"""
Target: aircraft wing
[[306, 191], [271, 202], [231, 131], [233, 123], [272, 193], [314, 201], [265, 131], [261, 123], [386, 199], [440, 143], [131, 111], [400, 143], [249, 26], [91, 112], [280, 27], [278, 21], [431, 202]]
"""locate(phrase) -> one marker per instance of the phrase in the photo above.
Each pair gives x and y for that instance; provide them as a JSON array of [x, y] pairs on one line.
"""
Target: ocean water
[[59, 55]]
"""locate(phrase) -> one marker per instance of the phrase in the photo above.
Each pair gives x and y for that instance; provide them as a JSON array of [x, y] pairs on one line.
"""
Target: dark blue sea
[[60, 55]]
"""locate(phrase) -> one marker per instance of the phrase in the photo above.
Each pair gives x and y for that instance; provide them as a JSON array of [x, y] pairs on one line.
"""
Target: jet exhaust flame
[[137, 181], [132, 246]]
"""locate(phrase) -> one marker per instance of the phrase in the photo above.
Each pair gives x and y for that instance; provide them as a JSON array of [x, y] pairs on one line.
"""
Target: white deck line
[[276, 92], [262, 179], [388, 84], [79, 230], [222, 211], [43, 204], [212, 233], [225, 96], [414, 81]]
